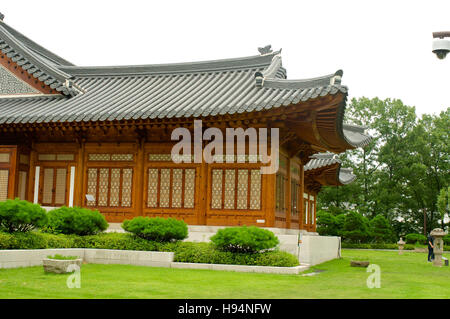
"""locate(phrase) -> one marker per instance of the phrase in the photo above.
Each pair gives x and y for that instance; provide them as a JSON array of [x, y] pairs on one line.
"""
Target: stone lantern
[[401, 245], [438, 249]]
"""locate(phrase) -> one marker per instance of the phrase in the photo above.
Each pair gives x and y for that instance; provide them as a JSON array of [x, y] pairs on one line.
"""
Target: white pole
[[72, 185], [36, 185]]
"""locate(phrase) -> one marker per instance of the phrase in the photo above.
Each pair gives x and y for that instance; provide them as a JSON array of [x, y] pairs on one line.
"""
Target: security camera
[[441, 46]]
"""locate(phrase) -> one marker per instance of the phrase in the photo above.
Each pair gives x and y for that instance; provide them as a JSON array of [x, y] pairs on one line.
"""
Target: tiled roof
[[320, 160], [178, 90], [164, 91], [32, 62]]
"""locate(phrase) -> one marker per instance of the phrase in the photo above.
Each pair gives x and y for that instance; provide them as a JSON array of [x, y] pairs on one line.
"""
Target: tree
[[380, 229], [355, 227], [443, 204], [326, 224], [402, 170]]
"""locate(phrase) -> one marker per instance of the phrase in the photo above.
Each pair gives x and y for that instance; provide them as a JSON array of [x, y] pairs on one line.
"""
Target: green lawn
[[406, 276]]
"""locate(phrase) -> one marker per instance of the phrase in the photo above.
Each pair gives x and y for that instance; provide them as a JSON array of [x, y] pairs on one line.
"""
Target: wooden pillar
[[314, 213], [203, 194], [13, 173], [270, 198], [31, 173], [78, 199], [139, 189], [288, 193], [301, 201]]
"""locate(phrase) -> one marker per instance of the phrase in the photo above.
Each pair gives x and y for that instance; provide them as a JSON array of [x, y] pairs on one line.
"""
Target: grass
[[405, 276]]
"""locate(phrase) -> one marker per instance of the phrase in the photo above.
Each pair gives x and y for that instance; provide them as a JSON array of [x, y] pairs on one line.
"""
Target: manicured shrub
[[416, 239], [244, 239], [20, 215], [184, 251], [157, 229], [355, 228], [75, 220], [208, 254], [326, 224], [380, 229]]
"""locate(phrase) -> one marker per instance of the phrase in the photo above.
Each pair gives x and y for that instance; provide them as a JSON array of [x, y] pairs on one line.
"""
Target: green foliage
[[158, 229], [61, 257], [184, 251], [29, 240], [244, 239], [20, 215], [75, 220], [375, 246], [208, 254], [402, 170], [416, 239], [446, 239], [326, 224], [355, 227], [443, 202], [380, 229]]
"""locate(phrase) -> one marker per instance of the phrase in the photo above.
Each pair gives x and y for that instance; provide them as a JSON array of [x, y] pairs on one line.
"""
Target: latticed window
[[280, 184], [295, 188], [54, 182], [4, 181], [171, 187], [110, 186], [237, 188]]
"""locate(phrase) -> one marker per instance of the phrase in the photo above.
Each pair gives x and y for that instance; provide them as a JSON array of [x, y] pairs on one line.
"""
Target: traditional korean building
[[100, 137]]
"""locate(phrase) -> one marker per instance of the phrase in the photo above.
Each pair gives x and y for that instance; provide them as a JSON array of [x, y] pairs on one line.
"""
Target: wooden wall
[[147, 163]]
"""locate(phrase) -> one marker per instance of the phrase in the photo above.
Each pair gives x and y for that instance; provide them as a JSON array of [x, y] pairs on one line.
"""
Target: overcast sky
[[384, 47]]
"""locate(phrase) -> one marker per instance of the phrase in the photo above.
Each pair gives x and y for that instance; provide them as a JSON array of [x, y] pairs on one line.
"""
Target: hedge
[[383, 246], [207, 254], [184, 251]]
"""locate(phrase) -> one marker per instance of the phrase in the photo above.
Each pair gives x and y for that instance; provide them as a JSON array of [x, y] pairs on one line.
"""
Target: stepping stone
[[356, 263]]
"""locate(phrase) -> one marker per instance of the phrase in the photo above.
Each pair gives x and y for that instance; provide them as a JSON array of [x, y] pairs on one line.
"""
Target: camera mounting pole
[[441, 34]]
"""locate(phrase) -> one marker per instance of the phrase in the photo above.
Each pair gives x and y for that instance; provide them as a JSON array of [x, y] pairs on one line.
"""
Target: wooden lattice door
[[54, 186]]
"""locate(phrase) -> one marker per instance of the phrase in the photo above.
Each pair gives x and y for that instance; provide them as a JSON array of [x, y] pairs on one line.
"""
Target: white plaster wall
[[318, 249], [34, 257]]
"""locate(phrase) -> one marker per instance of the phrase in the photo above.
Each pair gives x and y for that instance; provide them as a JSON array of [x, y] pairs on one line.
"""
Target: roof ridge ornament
[[337, 78], [2, 16], [265, 50]]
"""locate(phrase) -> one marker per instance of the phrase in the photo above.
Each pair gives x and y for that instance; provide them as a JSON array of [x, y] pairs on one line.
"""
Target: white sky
[[384, 47]]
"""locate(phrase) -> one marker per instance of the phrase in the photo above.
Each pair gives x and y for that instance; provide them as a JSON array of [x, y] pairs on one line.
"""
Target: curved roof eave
[[34, 64]]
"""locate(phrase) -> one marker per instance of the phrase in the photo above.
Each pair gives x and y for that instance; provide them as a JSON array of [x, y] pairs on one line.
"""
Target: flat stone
[[357, 263], [60, 266]]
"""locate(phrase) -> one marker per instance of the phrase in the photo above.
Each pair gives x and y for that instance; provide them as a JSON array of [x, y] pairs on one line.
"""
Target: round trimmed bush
[[244, 239], [416, 238], [75, 220], [157, 228], [20, 215]]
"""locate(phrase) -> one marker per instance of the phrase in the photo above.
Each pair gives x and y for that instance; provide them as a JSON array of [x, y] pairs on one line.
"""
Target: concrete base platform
[[36, 257], [308, 247]]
